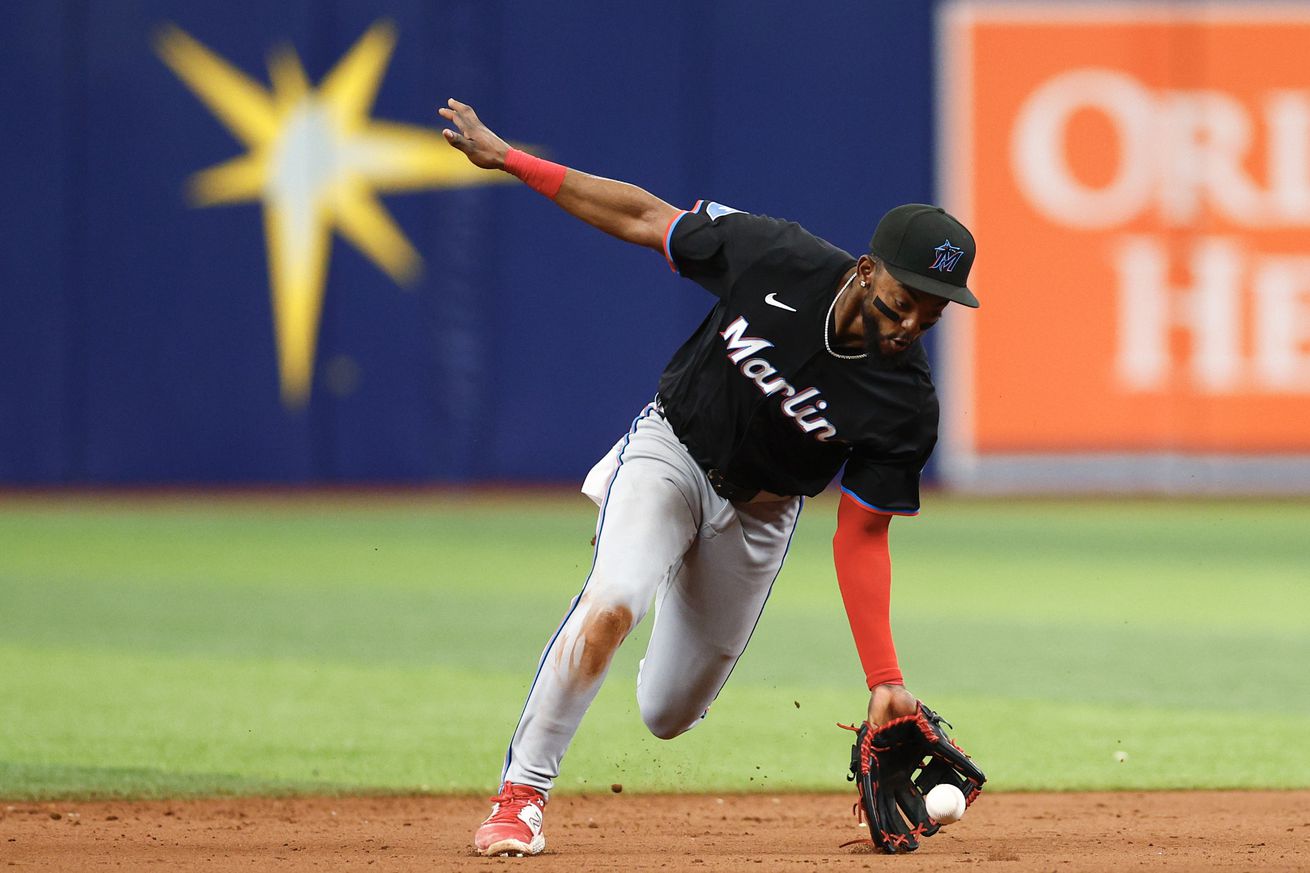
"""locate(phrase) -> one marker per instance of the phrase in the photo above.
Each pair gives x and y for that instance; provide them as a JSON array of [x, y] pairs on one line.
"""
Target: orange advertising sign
[[1138, 179]]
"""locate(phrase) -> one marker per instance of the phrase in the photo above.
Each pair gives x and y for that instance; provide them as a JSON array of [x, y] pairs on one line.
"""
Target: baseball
[[945, 804]]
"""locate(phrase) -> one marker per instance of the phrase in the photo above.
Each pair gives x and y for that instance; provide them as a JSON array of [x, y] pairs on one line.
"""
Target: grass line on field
[[191, 647]]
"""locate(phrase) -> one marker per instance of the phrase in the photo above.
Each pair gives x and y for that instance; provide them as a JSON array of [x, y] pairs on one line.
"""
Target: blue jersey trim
[[668, 234], [878, 509]]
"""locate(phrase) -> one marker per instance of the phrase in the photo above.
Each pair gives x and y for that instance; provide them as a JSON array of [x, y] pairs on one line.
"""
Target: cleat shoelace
[[504, 801]]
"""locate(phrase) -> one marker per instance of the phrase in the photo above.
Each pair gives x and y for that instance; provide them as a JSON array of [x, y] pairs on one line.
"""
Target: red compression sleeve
[[541, 176], [864, 573]]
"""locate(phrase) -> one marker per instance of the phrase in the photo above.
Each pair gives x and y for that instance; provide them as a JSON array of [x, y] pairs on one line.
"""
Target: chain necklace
[[827, 344]]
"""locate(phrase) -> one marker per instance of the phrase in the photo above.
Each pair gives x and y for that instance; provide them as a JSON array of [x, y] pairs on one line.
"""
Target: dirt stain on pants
[[603, 630]]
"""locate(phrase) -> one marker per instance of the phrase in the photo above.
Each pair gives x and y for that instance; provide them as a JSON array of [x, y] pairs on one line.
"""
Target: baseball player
[[808, 361]]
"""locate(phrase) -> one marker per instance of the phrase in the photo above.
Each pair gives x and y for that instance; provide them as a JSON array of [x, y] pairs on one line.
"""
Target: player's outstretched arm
[[863, 562], [622, 210]]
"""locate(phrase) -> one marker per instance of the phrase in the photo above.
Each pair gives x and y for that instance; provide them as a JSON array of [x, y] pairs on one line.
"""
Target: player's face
[[915, 311]]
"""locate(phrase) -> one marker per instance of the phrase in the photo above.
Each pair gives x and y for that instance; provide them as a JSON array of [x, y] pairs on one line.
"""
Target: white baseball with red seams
[[945, 804]]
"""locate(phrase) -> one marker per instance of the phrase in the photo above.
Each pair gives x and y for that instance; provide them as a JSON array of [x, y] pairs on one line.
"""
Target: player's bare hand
[[887, 702], [482, 147]]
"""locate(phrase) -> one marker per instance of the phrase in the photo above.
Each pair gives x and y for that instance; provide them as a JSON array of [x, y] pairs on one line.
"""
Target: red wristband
[[541, 176]]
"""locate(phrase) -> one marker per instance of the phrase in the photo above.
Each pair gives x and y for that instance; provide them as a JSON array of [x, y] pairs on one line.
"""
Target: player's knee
[[667, 721], [662, 727], [603, 630]]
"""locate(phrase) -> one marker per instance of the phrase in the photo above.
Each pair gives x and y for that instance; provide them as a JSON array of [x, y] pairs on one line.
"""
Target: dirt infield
[[1004, 832]]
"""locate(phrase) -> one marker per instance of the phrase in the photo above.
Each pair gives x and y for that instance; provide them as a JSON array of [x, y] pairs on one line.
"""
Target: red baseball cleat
[[514, 826]]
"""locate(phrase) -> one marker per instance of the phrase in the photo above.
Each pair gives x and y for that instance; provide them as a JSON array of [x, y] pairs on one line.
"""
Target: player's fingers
[[460, 142], [463, 112], [457, 119]]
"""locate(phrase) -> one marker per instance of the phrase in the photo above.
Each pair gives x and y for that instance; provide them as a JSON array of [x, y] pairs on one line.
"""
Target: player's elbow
[[641, 231], [651, 226]]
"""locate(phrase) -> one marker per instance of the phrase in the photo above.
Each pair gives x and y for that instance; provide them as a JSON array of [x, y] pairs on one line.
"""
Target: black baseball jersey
[[755, 393]]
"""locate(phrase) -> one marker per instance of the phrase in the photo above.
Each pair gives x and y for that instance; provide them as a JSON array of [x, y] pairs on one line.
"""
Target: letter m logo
[[739, 345], [947, 257]]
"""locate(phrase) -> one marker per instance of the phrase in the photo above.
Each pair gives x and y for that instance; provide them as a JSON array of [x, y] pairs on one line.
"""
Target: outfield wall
[[138, 341], [174, 307]]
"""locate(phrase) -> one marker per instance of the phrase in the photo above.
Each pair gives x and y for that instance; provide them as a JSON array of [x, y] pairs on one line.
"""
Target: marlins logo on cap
[[926, 248], [947, 257]]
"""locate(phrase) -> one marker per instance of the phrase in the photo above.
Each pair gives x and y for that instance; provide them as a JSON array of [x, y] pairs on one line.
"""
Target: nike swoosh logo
[[772, 299]]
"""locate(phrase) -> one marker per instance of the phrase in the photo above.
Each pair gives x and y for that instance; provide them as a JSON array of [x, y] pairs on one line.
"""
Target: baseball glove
[[895, 765]]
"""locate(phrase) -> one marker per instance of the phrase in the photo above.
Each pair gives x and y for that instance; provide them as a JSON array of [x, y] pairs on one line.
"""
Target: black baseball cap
[[926, 248]]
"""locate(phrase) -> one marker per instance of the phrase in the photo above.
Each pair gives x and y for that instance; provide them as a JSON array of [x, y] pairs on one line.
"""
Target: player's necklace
[[827, 343]]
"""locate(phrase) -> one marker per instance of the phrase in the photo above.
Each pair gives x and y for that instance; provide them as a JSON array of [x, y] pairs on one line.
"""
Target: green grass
[[200, 646]]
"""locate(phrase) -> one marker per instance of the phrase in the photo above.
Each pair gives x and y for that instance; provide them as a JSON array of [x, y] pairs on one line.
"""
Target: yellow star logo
[[317, 161]]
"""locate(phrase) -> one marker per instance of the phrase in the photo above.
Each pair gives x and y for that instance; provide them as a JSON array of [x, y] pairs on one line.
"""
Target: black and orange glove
[[894, 765]]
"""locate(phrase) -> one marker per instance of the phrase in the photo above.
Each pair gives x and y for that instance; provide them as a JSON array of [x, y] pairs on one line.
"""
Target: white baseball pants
[[662, 534]]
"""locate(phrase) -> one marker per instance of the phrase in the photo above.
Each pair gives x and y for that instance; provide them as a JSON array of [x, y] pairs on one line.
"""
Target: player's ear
[[865, 268]]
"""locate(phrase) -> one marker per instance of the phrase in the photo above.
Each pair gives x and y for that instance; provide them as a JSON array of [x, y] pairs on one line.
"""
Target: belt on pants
[[729, 490], [738, 493]]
